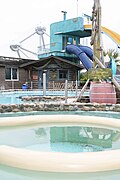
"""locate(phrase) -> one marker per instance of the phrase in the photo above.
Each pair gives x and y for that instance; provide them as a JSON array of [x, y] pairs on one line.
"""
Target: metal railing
[[56, 85], [117, 78], [65, 88]]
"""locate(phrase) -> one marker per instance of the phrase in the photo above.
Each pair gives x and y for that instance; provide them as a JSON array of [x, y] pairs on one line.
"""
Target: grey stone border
[[58, 106]]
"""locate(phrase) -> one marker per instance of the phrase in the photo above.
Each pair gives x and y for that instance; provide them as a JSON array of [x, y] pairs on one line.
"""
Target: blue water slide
[[84, 53], [87, 50]]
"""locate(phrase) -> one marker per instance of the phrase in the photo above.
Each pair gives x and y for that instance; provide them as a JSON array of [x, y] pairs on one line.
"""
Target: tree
[[114, 54], [111, 53]]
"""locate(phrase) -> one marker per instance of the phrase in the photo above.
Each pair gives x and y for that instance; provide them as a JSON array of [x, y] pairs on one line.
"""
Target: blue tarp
[[113, 66]]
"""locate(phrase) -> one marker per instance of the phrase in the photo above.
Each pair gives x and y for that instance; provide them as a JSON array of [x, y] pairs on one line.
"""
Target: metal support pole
[[53, 85], [44, 84], [66, 90], [77, 8], [76, 88], [31, 85]]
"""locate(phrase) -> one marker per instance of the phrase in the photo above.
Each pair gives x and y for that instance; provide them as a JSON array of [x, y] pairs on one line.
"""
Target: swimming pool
[[44, 131], [61, 138], [14, 97]]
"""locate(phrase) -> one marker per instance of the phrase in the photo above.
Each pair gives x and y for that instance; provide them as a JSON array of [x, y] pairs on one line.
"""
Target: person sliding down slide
[[84, 53]]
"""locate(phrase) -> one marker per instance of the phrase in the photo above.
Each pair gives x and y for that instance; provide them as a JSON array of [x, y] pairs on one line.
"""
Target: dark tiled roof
[[13, 61], [20, 62], [43, 61]]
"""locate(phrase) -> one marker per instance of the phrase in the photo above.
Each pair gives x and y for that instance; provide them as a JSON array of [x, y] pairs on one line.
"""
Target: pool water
[[61, 139], [108, 114], [14, 97], [42, 138], [9, 173]]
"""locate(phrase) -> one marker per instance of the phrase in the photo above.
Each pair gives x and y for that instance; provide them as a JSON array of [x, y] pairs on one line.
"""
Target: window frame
[[12, 74], [66, 74]]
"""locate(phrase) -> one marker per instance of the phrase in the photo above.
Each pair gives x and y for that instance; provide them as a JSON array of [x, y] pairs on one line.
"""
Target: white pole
[[31, 86], [77, 8], [44, 84], [66, 91], [76, 88]]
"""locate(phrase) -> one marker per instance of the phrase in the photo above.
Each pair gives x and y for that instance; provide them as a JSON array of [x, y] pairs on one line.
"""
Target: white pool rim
[[59, 161]]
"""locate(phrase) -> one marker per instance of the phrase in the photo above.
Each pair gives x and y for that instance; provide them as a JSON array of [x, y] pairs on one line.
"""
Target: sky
[[19, 18]]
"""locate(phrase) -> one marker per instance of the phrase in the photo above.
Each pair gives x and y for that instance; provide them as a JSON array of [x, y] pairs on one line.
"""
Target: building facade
[[14, 72]]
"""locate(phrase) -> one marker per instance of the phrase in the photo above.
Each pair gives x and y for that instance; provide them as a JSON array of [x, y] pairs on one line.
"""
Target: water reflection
[[61, 139], [80, 138]]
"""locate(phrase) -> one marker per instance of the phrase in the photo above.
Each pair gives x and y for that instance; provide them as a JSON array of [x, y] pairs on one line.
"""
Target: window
[[63, 74], [11, 74], [64, 42]]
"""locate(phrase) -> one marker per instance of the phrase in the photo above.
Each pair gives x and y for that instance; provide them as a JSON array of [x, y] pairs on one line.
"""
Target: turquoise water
[[8, 173], [83, 113], [30, 138], [14, 97], [61, 139]]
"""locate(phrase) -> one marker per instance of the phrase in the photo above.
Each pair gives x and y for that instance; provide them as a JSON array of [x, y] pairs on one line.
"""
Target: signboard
[[35, 77]]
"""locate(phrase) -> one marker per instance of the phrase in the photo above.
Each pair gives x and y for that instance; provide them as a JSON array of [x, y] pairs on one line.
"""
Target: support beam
[[83, 89]]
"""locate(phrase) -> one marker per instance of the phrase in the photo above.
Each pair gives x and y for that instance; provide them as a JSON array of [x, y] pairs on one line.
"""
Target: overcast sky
[[19, 18]]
